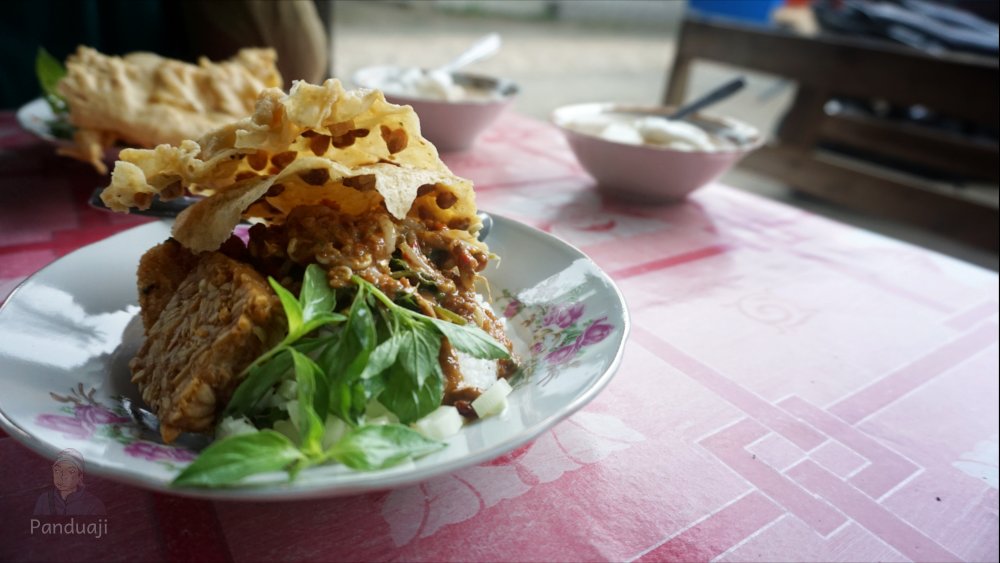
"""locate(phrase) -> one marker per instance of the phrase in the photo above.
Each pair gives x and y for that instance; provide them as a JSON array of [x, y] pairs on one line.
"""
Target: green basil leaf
[[381, 446], [358, 334], [50, 71], [407, 399], [309, 379], [361, 333], [292, 307], [383, 356], [471, 339], [228, 461], [449, 316], [321, 319], [418, 352], [264, 376], [321, 395], [60, 127], [361, 323], [374, 385], [345, 362], [259, 380], [342, 404], [348, 401], [316, 298]]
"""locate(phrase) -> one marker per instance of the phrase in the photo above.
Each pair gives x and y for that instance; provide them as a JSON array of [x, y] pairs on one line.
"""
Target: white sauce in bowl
[[434, 85], [651, 131]]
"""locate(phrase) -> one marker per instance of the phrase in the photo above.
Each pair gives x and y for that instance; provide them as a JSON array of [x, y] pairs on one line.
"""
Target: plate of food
[[358, 336], [96, 104]]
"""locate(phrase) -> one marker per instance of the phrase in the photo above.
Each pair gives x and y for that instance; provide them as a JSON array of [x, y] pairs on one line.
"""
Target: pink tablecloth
[[793, 389]]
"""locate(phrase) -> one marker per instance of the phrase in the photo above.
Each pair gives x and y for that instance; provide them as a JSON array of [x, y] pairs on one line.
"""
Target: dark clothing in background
[[182, 30], [77, 503]]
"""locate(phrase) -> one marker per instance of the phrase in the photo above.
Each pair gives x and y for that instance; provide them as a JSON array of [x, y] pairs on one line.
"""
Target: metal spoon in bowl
[[686, 112], [714, 96], [485, 47]]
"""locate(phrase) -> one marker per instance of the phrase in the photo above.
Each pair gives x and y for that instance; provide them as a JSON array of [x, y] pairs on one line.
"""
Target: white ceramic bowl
[[650, 173], [451, 126]]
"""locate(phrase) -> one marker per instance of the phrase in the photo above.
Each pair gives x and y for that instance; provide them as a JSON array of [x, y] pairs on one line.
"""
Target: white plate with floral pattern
[[68, 332]]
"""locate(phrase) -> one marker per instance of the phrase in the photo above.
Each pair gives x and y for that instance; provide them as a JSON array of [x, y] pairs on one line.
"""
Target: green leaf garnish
[[291, 305], [345, 361], [465, 337], [472, 340], [228, 461], [50, 71], [317, 298], [259, 380], [381, 350], [381, 446], [310, 379], [264, 375], [406, 398], [299, 323], [383, 356], [418, 352]]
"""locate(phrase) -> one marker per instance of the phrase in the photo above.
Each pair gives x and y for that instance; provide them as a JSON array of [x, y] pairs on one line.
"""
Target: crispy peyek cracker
[[144, 100], [319, 144]]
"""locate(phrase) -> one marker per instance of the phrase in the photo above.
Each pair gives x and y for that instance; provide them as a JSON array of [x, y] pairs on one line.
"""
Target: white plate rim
[[408, 476]]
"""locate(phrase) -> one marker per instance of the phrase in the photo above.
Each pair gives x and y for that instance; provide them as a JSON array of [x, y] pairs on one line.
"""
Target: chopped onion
[[293, 412], [278, 397], [440, 424], [233, 427], [288, 389], [493, 400], [333, 430], [376, 413], [288, 429]]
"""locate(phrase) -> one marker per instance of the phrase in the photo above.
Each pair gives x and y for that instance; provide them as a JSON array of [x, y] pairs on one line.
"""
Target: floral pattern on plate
[[86, 418], [60, 390], [560, 331]]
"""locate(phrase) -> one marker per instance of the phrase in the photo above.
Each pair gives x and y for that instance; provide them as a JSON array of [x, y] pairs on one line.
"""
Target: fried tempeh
[[162, 269], [221, 317]]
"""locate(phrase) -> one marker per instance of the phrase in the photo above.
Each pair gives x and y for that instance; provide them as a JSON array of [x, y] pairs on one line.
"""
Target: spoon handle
[[716, 95], [163, 209], [481, 49]]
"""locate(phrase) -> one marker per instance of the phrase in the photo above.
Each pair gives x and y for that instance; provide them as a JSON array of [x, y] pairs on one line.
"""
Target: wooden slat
[[911, 143], [800, 124], [815, 173], [958, 86]]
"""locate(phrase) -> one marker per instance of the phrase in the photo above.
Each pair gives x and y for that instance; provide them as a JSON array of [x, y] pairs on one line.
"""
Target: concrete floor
[[557, 62]]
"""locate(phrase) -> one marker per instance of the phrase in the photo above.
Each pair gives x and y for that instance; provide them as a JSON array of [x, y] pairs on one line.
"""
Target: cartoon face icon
[[68, 495], [67, 471], [66, 476]]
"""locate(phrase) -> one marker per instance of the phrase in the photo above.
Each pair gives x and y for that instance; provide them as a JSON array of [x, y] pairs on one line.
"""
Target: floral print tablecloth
[[793, 389]]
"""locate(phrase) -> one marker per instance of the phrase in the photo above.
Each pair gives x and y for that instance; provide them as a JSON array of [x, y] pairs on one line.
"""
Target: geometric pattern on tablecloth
[[421, 510], [792, 452], [817, 452], [822, 489]]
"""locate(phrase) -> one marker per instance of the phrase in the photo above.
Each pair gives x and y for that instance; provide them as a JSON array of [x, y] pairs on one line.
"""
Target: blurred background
[[880, 113], [569, 51]]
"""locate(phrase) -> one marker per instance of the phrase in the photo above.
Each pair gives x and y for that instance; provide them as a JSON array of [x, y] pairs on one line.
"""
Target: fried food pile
[[332, 177], [145, 100]]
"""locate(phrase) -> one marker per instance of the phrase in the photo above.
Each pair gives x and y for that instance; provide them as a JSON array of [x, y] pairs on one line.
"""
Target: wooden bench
[[827, 68]]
